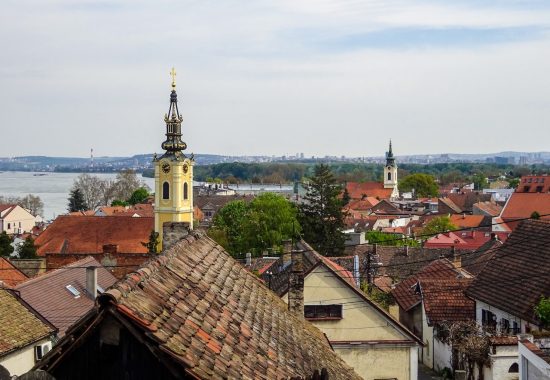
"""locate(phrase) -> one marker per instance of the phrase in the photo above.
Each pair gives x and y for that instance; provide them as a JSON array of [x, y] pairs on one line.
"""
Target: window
[[389, 177], [504, 325], [165, 190], [539, 189], [488, 319], [323, 311], [9, 226], [73, 291], [514, 368], [185, 191], [526, 189], [515, 328]]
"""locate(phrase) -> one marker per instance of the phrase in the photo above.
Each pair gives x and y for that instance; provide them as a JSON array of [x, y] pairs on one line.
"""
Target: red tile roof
[[467, 221], [444, 300], [488, 208], [463, 239], [520, 268], [48, 295], [9, 274], [534, 184], [359, 190], [522, 205], [88, 234], [20, 326], [217, 320]]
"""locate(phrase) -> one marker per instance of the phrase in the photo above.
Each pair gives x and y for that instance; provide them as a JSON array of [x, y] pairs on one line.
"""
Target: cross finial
[[173, 75]]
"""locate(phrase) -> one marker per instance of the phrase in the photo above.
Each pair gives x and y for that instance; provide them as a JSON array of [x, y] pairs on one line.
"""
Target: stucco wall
[[21, 361], [427, 338], [381, 363], [480, 305], [18, 216], [442, 355], [361, 322]]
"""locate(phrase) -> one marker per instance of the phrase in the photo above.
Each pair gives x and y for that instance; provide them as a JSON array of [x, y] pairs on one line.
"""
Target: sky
[[261, 77]]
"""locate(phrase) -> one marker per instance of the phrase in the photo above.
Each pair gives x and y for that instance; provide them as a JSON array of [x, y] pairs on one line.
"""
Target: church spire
[[173, 145], [390, 159]]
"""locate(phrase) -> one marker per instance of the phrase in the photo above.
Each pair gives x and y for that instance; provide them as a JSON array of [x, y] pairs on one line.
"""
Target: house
[[63, 296], [209, 205], [137, 211], [490, 209], [25, 335], [366, 336], [534, 184], [193, 312], [466, 200], [14, 219], [534, 361], [511, 284], [464, 221], [114, 241], [464, 239], [523, 205], [10, 276], [429, 300], [360, 190], [503, 359]]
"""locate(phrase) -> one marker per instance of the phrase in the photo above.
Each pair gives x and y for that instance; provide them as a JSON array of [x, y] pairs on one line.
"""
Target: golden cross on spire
[[173, 75]]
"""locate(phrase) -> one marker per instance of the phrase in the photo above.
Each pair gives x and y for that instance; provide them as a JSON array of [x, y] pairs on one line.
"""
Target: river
[[53, 188]]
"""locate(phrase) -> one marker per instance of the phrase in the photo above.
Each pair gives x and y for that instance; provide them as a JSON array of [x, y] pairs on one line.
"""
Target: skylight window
[[100, 289], [73, 291]]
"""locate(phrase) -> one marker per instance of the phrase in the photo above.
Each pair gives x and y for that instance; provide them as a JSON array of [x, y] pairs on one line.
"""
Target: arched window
[[185, 191], [389, 176], [514, 368], [165, 190]]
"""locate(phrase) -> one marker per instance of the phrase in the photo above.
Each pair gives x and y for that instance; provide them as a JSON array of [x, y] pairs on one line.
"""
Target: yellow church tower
[[173, 172]]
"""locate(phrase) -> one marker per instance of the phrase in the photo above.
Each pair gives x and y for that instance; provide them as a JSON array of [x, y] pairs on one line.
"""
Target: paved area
[[424, 373]]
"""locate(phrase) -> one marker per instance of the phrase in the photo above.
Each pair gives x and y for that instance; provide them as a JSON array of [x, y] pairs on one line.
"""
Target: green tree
[[423, 185], [321, 215], [262, 224], [118, 202], [480, 181], [438, 225], [346, 198], [384, 238], [513, 183], [542, 311], [27, 250], [271, 219], [138, 196], [229, 223], [6, 248], [76, 200], [153, 244], [535, 215]]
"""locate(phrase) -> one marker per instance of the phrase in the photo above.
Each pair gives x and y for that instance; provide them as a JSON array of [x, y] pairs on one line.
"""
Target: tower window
[[389, 176], [185, 191], [165, 190]]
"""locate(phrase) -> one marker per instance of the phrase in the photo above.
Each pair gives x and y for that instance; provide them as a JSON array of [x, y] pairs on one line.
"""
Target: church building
[[173, 172], [380, 190]]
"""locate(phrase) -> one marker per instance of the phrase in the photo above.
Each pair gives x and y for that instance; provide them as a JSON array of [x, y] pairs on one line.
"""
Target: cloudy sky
[[337, 77]]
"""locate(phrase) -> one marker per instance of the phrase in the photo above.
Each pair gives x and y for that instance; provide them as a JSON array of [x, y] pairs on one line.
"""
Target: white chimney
[[248, 259], [91, 281]]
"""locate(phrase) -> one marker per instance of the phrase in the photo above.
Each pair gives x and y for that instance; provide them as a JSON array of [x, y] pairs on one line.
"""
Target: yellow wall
[[379, 363], [360, 322], [176, 208]]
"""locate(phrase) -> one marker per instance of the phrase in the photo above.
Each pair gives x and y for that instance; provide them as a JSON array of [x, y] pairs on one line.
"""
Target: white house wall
[[480, 305], [19, 220], [501, 361], [20, 361]]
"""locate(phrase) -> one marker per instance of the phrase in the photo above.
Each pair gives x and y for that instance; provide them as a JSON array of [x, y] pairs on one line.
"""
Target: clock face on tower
[[166, 167]]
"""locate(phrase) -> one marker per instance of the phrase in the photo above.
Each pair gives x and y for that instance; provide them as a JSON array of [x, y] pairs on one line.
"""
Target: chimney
[[110, 248], [172, 232], [356, 270], [248, 259], [296, 284], [407, 250], [457, 260], [287, 249], [91, 282]]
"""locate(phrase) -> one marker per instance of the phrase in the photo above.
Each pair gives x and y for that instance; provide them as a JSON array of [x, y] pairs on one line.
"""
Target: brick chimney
[[91, 282], [172, 232], [287, 249], [296, 284], [457, 260]]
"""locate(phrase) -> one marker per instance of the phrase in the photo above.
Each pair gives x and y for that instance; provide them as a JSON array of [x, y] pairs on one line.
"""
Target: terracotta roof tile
[[9, 274], [19, 325], [444, 300], [359, 190], [520, 267], [522, 205], [48, 295], [88, 234], [218, 320]]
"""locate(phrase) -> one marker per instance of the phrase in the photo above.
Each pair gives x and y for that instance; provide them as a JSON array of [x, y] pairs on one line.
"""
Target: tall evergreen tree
[[321, 215], [27, 250], [5, 244], [153, 243], [76, 200]]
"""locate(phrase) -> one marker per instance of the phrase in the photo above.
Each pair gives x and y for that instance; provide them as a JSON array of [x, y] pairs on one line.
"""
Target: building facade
[[173, 173]]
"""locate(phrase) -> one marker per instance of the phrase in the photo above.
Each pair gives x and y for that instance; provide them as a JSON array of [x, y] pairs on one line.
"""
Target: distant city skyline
[[322, 77]]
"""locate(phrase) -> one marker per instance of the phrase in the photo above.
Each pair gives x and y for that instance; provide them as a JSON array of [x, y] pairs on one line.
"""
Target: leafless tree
[[33, 203], [90, 186]]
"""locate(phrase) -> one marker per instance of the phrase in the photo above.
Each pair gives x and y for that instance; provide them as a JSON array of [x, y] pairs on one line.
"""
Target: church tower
[[390, 173], [173, 172]]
